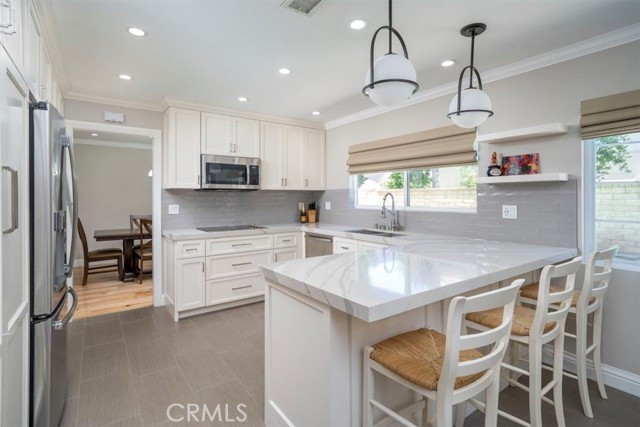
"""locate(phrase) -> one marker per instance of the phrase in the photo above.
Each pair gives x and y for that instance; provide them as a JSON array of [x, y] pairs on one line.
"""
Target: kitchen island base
[[313, 359]]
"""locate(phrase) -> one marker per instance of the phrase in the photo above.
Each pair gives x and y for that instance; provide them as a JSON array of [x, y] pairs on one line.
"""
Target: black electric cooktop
[[230, 227]]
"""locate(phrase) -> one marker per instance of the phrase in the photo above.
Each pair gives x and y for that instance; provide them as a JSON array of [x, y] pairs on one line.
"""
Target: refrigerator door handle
[[59, 324], [14, 199], [66, 143]]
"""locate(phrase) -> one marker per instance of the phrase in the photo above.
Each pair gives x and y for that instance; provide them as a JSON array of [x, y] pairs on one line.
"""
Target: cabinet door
[[190, 284], [271, 156], [45, 75], [182, 148], [217, 134], [286, 254], [246, 141], [315, 160], [295, 158], [12, 37], [32, 51]]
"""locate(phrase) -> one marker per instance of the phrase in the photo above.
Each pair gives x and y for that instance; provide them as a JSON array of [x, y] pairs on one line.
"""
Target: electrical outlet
[[327, 206], [174, 209], [509, 211]]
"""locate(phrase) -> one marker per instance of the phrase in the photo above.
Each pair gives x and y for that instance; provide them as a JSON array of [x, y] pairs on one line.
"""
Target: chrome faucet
[[395, 226]]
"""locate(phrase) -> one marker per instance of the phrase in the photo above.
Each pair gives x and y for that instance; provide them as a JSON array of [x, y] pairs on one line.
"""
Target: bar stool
[[446, 368], [536, 328], [584, 302]]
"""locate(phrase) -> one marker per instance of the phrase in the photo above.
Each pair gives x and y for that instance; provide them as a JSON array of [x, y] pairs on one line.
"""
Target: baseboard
[[613, 377]]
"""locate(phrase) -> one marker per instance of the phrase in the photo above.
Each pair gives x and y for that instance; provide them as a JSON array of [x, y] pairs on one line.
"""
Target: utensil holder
[[311, 215]]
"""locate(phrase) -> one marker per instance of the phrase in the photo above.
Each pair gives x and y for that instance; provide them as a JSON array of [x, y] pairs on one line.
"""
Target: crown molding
[[76, 96], [171, 102], [49, 31], [117, 144], [596, 44]]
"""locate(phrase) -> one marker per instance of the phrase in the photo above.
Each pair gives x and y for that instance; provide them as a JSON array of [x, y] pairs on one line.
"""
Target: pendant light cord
[[473, 41], [390, 24]]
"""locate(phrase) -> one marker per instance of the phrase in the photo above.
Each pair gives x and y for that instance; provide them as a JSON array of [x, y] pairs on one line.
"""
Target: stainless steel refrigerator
[[54, 213]]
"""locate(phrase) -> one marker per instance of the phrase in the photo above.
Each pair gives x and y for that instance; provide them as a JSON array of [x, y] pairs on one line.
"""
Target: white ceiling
[[212, 51]]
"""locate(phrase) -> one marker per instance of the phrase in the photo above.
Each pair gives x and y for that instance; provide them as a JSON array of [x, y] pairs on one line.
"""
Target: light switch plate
[[327, 206], [510, 211], [174, 209]]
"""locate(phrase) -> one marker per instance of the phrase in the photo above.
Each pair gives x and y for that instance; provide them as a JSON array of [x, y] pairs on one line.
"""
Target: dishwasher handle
[[322, 238]]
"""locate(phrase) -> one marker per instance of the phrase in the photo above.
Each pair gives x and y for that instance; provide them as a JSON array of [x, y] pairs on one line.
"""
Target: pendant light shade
[[391, 78], [471, 106]]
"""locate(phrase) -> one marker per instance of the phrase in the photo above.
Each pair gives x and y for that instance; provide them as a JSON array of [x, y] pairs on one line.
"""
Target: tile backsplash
[[210, 208], [547, 214]]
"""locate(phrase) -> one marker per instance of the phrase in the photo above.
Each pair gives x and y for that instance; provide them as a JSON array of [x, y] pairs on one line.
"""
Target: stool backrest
[[497, 338], [560, 302], [596, 278]]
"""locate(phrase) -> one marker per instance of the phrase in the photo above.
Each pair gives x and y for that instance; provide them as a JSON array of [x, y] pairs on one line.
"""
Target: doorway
[[118, 170]]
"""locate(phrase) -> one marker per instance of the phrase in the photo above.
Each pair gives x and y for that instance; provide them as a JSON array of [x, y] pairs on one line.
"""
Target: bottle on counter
[[303, 214], [312, 212]]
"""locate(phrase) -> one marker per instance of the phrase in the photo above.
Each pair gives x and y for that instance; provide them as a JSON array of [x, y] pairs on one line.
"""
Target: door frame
[[156, 136]]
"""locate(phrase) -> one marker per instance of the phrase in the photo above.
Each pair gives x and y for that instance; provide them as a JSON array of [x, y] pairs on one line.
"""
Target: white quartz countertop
[[373, 285]]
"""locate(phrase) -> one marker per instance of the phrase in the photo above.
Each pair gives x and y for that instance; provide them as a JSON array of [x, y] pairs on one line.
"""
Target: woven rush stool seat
[[522, 319], [531, 291], [417, 356]]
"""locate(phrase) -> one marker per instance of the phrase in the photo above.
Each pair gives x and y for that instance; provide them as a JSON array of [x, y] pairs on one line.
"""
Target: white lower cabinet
[[342, 245], [364, 246], [228, 290], [190, 278], [285, 254]]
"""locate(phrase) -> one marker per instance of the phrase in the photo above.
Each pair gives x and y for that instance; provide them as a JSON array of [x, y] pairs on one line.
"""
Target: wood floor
[[104, 294]]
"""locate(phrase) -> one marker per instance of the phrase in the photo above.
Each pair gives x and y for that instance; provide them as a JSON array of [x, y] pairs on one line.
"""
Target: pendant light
[[471, 106], [391, 78]]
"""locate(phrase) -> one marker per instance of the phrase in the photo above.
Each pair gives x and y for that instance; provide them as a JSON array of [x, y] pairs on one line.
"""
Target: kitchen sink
[[380, 233]]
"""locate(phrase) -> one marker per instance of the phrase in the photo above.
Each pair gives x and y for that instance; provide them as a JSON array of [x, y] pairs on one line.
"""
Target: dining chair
[[144, 250], [101, 256], [586, 301], [448, 369], [535, 328]]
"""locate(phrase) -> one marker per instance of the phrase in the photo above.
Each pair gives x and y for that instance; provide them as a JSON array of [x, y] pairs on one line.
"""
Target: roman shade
[[445, 146], [610, 115]]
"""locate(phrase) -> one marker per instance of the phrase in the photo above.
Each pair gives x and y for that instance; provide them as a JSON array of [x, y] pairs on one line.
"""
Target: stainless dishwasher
[[317, 245]]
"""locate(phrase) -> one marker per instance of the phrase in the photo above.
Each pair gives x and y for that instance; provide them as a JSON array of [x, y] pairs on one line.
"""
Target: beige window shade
[[446, 146], [610, 115]]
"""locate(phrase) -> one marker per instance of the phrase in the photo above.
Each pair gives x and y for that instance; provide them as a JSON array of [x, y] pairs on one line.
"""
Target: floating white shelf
[[512, 179], [523, 133]]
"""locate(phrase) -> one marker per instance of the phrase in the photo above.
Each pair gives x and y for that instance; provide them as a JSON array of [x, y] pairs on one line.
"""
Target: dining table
[[128, 236]]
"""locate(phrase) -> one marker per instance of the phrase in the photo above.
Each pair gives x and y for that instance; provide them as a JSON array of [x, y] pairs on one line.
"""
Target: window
[[612, 196], [449, 188]]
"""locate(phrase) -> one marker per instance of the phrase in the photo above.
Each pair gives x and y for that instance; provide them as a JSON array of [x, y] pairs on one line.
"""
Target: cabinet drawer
[[344, 245], [190, 249], [236, 264], [365, 246], [286, 240], [219, 291], [238, 244]]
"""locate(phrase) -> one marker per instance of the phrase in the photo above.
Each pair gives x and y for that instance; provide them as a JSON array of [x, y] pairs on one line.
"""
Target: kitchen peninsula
[[321, 312]]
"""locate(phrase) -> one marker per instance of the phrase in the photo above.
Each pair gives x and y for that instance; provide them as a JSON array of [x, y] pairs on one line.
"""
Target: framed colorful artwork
[[523, 164]]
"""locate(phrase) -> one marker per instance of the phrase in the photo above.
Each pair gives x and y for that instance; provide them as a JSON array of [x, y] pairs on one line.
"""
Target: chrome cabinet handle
[[241, 244], [14, 199], [242, 263], [286, 241], [344, 247], [198, 179], [230, 147], [241, 287]]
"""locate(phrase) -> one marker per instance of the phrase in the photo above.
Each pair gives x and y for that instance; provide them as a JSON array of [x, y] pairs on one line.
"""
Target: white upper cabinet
[[181, 148], [32, 50], [44, 78], [228, 135], [292, 158], [11, 30]]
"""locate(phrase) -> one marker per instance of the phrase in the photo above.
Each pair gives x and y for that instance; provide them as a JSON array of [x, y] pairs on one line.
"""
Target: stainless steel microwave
[[229, 173]]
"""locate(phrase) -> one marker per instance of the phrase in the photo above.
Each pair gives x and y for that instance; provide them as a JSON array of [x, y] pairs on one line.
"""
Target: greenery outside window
[[445, 188]]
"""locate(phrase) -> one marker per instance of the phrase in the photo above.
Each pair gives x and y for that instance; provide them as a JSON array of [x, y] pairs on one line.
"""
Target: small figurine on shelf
[[494, 168]]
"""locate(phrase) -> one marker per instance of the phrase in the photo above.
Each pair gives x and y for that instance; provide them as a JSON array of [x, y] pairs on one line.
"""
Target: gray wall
[[113, 182], [208, 208], [94, 112]]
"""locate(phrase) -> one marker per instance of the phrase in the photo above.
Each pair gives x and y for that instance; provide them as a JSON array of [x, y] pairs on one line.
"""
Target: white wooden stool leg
[[461, 408], [425, 413], [514, 352], [535, 384], [581, 362], [367, 388], [491, 408], [444, 410], [558, 356], [597, 360]]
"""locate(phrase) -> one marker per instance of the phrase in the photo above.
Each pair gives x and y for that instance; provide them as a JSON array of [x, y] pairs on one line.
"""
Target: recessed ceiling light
[[137, 32], [316, 113], [448, 62], [125, 77], [358, 24], [94, 134], [284, 71], [243, 99]]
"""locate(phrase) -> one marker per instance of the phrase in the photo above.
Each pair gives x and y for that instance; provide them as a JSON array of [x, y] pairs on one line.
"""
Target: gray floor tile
[[157, 391], [70, 414], [237, 401], [187, 338], [203, 369], [137, 314], [104, 360], [220, 335], [75, 344], [131, 421], [102, 318], [247, 365], [73, 378], [103, 332], [150, 356], [106, 400], [141, 330]]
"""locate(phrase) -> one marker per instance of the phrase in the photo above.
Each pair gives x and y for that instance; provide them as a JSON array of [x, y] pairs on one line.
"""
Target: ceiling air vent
[[301, 6]]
